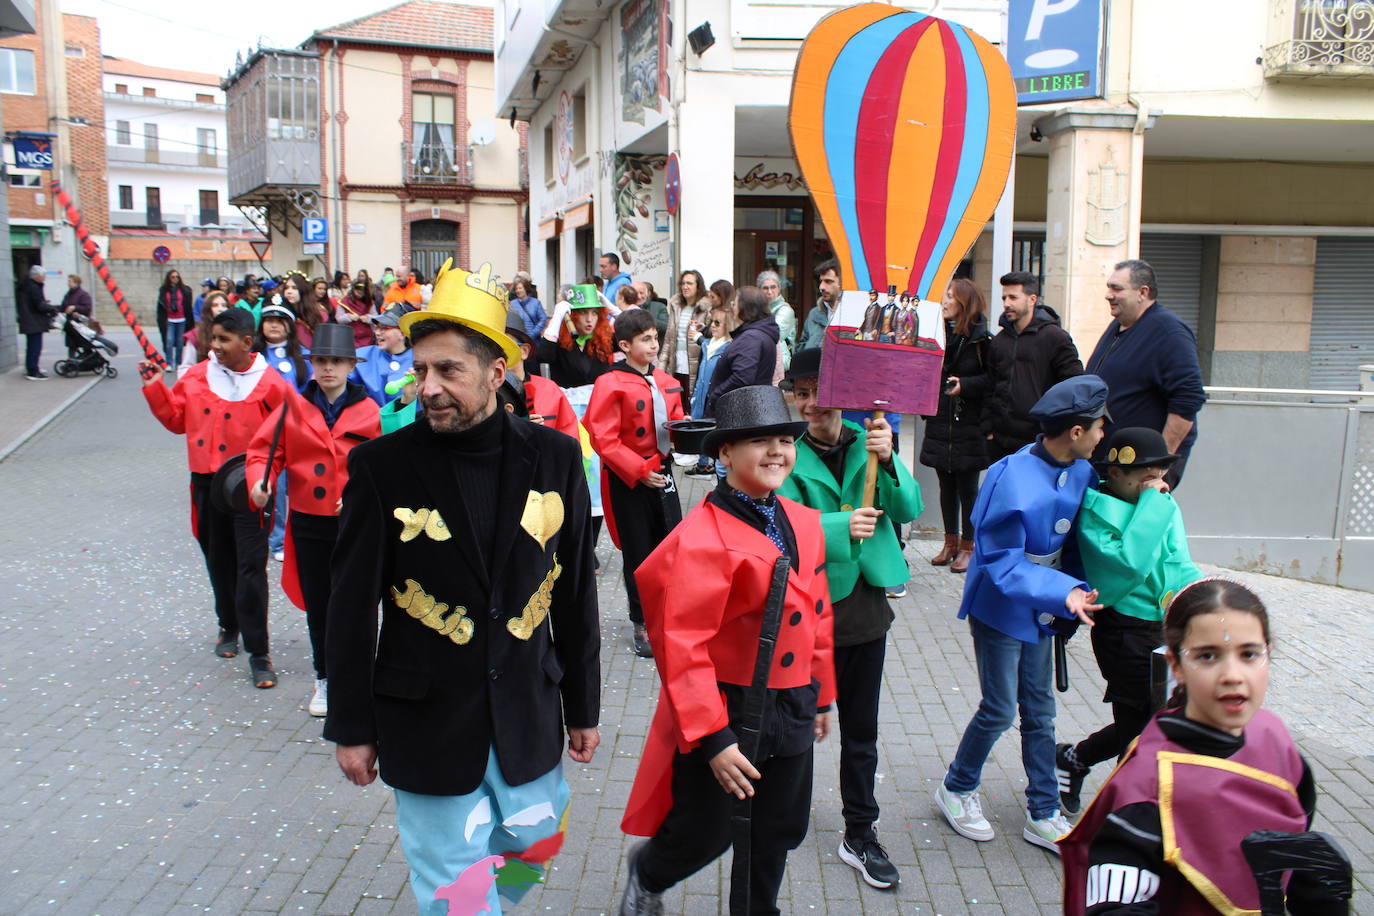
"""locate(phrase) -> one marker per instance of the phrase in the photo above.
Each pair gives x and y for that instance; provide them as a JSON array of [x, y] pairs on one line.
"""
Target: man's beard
[[462, 419]]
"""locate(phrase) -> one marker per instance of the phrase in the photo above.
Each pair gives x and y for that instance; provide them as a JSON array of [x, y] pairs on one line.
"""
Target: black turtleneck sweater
[[476, 456]]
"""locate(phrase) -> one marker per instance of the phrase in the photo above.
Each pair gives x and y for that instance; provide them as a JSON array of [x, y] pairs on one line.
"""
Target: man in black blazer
[[472, 527]]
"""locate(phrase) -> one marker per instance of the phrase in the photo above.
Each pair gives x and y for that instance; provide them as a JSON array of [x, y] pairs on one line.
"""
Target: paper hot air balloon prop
[[904, 126]]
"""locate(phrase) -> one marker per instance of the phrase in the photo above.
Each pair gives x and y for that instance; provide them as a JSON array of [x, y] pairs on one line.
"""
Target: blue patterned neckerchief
[[769, 513]]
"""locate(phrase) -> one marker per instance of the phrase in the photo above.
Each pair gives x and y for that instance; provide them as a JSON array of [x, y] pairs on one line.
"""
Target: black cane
[[271, 454], [1061, 663], [750, 730]]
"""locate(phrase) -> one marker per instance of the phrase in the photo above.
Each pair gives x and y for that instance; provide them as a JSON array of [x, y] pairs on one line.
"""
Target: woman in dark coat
[[174, 302], [752, 354], [954, 445]]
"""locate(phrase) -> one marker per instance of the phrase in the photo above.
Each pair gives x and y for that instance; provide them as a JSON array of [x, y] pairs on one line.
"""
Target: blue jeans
[[172, 341], [276, 539], [1011, 673], [33, 351]]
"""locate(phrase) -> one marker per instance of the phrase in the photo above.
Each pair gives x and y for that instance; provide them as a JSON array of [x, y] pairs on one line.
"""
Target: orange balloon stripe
[[997, 158], [911, 177], [807, 113]]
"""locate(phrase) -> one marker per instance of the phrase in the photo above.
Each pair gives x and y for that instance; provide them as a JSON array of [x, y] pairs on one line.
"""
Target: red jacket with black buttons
[[215, 429], [548, 401], [314, 455], [620, 420]]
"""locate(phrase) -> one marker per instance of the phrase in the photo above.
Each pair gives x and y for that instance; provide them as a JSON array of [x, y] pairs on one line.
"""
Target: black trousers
[[235, 548], [1122, 645], [858, 681], [686, 393], [33, 351], [312, 539], [958, 490], [643, 517], [697, 829]]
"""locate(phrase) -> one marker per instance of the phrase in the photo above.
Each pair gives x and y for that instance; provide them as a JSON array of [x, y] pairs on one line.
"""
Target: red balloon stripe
[[103, 271], [947, 164]]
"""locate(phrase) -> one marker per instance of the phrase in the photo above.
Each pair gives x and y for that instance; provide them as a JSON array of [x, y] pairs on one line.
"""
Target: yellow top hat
[[474, 300]]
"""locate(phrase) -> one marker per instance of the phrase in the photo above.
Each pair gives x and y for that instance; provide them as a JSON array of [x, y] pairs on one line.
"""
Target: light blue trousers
[[445, 835]]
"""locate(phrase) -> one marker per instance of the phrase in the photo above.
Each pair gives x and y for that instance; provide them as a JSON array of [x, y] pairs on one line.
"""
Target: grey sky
[[204, 36]]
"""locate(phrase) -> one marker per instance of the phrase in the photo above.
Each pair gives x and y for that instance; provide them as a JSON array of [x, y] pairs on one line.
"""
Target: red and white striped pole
[[92, 251]]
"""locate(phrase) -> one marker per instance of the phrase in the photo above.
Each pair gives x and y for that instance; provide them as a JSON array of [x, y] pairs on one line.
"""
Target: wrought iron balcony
[[1332, 39], [435, 163]]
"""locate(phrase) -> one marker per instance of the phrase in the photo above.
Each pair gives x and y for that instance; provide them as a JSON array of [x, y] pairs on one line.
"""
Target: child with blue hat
[[1015, 595]]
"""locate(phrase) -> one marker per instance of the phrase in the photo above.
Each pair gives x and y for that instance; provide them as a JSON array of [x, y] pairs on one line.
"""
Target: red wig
[[600, 345]]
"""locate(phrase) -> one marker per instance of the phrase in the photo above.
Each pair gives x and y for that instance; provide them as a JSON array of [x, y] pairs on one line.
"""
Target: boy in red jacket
[[625, 418], [218, 404], [746, 662], [322, 424]]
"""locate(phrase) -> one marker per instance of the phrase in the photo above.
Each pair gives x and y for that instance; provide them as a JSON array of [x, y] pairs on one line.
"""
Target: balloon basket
[[870, 375]]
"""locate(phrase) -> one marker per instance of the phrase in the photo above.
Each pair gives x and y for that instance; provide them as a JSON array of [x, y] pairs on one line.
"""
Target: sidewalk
[[147, 776], [29, 405]]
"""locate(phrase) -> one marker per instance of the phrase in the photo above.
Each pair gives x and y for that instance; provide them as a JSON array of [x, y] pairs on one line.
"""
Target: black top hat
[[229, 486], [1137, 447], [334, 340], [755, 410], [515, 327], [805, 364]]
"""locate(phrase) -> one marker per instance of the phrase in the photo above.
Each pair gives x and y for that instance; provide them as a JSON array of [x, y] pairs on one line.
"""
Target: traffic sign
[[162, 254], [314, 230], [260, 247], [672, 184]]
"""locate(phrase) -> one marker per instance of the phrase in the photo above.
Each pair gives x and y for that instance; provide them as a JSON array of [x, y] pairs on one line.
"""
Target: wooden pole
[[871, 472]]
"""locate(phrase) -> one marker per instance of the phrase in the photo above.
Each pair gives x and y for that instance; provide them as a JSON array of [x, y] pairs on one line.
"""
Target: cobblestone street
[[148, 776]]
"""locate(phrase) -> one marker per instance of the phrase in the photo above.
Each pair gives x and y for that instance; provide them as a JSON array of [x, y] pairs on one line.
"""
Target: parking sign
[[315, 230]]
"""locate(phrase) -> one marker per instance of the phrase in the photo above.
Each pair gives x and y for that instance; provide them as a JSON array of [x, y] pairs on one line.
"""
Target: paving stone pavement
[[149, 777]]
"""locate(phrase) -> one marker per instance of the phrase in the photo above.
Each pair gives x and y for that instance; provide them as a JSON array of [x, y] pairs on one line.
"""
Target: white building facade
[[166, 142], [1229, 147]]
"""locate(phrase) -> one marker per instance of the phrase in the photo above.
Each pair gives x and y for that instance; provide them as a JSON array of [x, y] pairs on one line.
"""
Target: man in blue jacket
[[609, 265], [1148, 358], [1014, 592]]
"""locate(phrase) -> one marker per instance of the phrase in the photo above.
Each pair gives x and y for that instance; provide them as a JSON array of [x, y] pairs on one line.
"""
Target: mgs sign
[[563, 137], [32, 153]]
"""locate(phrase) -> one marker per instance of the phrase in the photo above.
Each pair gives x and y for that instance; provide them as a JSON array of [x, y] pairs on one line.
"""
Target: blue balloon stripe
[[844, 92], [970, 159]]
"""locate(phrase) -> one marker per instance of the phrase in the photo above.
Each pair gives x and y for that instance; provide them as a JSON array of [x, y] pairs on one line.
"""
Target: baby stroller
[[87, 351]]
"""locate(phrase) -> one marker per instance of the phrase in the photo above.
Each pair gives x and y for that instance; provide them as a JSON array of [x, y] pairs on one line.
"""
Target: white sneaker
[[1046, 831], [685, 461], [319, 700], [279, 556], [964, 813]]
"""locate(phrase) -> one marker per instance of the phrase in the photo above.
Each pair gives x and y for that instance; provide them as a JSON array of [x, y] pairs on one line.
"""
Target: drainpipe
[[340, 230]]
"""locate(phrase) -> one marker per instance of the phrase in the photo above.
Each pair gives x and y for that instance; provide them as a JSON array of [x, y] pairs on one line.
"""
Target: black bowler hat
[[229, 486], [515, 328], [805, 364], [334, 340], [1137, 447], [391, 318], [755, 410]]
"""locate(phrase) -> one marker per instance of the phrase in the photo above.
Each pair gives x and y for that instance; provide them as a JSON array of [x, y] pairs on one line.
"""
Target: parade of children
[[762, 570]]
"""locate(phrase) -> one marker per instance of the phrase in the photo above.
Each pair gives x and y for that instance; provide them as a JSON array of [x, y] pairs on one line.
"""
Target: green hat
[[583, 296]]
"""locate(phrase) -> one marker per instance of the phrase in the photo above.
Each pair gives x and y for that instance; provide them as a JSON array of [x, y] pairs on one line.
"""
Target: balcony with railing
[[1320, 39], [436, 163]]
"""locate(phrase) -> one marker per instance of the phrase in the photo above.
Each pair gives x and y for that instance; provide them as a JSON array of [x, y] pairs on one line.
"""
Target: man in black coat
[[35, 318], [1030, 356], [472, 527]]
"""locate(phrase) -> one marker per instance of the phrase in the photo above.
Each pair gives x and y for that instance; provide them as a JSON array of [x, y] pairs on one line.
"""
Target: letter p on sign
[[1041, 10]]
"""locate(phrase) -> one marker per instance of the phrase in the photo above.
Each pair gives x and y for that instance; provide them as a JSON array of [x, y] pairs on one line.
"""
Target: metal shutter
[[1177, 260], [1342, 313]]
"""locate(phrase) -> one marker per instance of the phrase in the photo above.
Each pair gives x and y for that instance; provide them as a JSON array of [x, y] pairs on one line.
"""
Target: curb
[[51, 415]]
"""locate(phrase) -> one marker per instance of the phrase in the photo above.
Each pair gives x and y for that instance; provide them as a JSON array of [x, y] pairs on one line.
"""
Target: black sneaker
[[642, 647], [1070, 774], [637, 901], [227, 645], [869, 857], [264, 675], [36, 376]]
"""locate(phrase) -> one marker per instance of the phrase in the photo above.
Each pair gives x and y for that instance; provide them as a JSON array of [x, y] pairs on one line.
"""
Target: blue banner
[[1054, 48], [32, 153]]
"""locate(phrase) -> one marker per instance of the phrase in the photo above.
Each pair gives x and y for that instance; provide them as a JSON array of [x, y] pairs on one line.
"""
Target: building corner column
[[1092, 210]]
